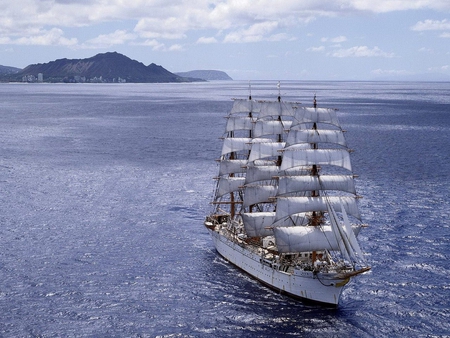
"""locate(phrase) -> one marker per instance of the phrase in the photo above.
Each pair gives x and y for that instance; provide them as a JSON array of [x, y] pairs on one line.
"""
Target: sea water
[[104, 188]]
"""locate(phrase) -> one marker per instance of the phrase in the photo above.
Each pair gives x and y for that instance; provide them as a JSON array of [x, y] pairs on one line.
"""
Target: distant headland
[[111, 67], [209, 75]]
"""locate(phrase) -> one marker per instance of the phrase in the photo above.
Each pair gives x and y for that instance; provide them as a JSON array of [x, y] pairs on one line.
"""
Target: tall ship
[[285, 206]]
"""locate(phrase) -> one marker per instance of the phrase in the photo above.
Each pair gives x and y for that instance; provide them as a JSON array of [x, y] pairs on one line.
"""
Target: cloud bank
[[42, 22]]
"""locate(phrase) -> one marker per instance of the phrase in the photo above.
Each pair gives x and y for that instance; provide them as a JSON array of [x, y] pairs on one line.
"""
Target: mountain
[[208, 75], [9, 70], [106, 67]]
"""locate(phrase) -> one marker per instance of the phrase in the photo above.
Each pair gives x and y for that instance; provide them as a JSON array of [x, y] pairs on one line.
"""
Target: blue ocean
[[104, 188]]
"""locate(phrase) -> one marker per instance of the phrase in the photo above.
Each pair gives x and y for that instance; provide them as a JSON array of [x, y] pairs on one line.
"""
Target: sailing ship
[[285, 204]]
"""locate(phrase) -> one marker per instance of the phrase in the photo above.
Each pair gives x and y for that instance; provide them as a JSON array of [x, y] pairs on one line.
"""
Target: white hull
[[297, 283]]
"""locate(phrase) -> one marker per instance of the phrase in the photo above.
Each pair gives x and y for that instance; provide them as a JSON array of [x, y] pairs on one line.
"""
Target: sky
[[340, 40]]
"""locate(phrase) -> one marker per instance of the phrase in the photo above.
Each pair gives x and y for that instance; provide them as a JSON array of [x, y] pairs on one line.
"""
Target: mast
[[279, 91], [279, 159], [232, 155], [316, 143], [250, 132], [234, 158], [316, 218], [232, 203], [263, 165]]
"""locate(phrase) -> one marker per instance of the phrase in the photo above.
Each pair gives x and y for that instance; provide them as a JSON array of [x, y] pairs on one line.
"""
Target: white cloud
[[445, 35], [441, 69], [316, 49], [176, 48], [280, 37], [361, 51], [153, 43], [167, 28], [337, 39], [255, 33], [5, 40], [159, 46], [52, 37], [426, 50], [205, 40], [119, 37], [390, 72], [431, 25], [237, 20], [384, 6]]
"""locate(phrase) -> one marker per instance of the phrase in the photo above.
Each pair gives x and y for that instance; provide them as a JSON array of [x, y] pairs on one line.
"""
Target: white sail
[[315, 136], [271, 127], [235, 144], [229, 184], [244, 106], [260, 173], [316, 115], [306, 157], [271, 108], [309, 238], [257, 224], [287, 206], [341, 238], [305, 239], [238, 123], [260, 224], [265, 149], [292, 184], [352, 239], [227, 167], [287, 125], [298, 219], [254, 194]]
